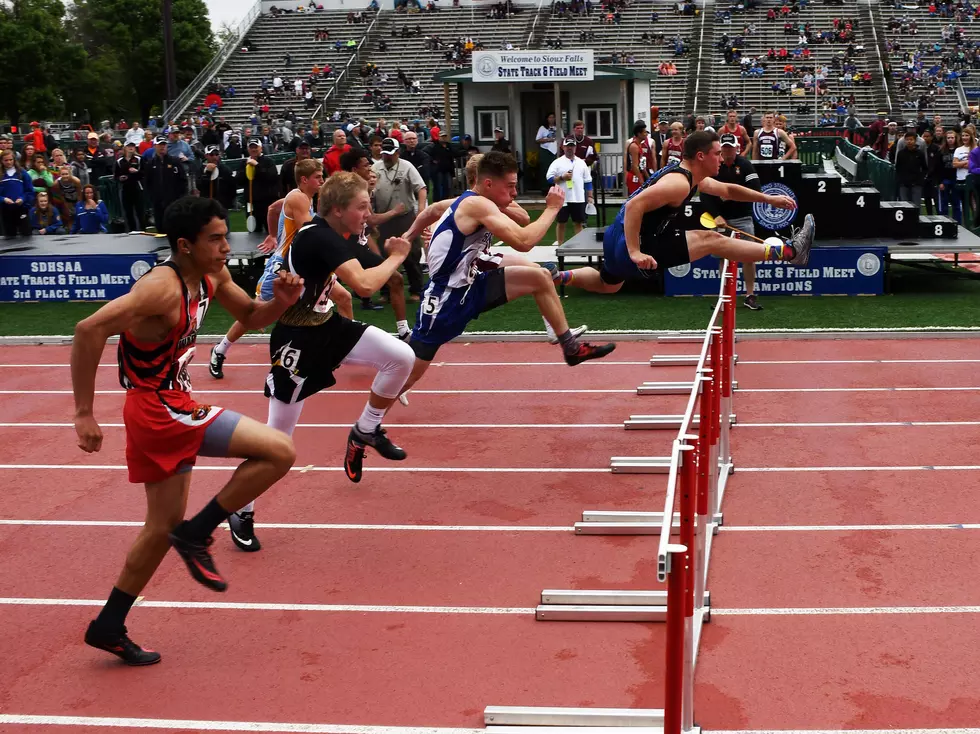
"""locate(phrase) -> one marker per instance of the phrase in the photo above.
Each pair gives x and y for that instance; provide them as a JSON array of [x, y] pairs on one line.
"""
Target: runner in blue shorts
[[645, 235], [466, 279]]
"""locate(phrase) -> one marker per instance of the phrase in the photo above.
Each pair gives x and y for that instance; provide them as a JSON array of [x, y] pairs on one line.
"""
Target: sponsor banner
[[832, 271], [69, 278], [972, 92], [533, 66]]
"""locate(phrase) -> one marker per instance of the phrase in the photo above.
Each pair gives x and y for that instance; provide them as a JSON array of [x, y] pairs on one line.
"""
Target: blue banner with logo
[[69, 278], [832, 271], [972, 92]]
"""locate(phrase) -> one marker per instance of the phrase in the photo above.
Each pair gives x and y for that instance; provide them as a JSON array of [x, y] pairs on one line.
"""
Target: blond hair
[[339, 191], [306, 168], [472, 166]]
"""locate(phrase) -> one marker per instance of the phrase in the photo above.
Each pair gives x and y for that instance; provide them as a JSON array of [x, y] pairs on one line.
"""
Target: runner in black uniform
[[311, 340], [644, 235]]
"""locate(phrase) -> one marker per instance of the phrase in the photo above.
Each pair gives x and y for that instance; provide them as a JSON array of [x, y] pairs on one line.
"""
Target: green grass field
[[917, 299]]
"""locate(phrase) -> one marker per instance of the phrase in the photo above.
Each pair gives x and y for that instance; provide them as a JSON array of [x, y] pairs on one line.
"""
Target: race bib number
[[287, 357], [323, 303], [765, 150]]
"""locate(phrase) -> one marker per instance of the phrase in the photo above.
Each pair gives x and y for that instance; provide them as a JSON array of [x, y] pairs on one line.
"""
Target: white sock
[[250, 507], [547, 327], [370, 418], [402, 327], [224, 346]]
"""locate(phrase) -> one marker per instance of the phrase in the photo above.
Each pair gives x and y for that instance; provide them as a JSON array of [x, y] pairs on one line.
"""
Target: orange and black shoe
[[587, 351], [378, 440], [198, 559], [119, 644]]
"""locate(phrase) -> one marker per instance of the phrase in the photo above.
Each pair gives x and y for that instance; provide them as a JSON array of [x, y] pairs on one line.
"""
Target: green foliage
[[123, 41], [36, 59]]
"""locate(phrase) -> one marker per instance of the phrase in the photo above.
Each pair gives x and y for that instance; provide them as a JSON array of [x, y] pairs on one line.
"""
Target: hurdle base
[[606, 605], [664, 422], [602, 522], [679, 360], [546, 729], [670, 388], [640, 464], [496, 717]]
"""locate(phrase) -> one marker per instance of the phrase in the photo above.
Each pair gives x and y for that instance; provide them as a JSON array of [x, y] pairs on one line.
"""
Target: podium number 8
[[939, 230]]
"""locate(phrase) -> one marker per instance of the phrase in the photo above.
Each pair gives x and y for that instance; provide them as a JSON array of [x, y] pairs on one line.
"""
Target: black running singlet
[[768, 145], [656, 222]]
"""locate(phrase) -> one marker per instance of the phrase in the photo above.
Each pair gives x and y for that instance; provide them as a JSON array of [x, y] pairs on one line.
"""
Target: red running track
[[759, 669]]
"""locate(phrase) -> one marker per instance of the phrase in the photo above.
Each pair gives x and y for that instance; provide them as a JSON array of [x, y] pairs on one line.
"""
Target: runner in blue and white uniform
[[466, 279]]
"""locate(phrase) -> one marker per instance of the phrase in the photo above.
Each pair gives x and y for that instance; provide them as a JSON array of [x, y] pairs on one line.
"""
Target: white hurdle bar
[[669, 388], [663, 422], [578, 720]]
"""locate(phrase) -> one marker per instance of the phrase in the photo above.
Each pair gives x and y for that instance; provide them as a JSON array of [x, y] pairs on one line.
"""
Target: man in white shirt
[[135, 134], [578, 187]]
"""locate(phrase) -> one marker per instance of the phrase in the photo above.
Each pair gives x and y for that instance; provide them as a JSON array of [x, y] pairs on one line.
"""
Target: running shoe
[[803, 240], [406, 337], [588, 351], [752, 303], [242, 526], [198, 559], [576, 332], [216, 366], [119, 644], [378, 440], [552, 269], [368, 305]]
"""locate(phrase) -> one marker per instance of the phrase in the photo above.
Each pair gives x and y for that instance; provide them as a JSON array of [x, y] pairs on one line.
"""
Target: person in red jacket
[[331, 159], [36, 136]]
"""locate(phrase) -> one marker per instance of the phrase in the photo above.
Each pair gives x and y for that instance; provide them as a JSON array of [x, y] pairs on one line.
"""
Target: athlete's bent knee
[[282, 452], [394, 372]]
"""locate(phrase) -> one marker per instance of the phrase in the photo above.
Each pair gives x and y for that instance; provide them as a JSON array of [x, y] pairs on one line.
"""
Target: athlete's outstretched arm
[[516, 212], [253, 313], [366, 282], [154, 295], [426, 218], [479, 211], [734, 192]]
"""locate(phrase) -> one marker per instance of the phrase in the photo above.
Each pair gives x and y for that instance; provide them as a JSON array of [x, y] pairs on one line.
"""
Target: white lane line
[[409, 469], [265, 365], [505, 528], [272, 607], [316, 526], [849, 731], [829, 611], [839, 528], [792, 469], [115, 722], [855, 389], [606, 362], [346, 426], [408, 609], [858, 424], [327, 393]]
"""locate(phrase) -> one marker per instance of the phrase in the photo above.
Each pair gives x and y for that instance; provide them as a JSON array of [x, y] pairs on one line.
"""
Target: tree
[[126, 35], [35, 58]]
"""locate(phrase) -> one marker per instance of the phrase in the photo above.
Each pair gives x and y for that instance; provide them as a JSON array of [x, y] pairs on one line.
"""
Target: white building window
[[600, 122], [489, 119]]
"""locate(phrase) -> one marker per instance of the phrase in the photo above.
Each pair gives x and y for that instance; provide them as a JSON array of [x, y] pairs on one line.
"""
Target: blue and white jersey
[[455, 259]]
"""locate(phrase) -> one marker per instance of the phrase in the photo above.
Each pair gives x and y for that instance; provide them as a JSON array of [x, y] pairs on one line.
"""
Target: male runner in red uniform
[[166, 430]]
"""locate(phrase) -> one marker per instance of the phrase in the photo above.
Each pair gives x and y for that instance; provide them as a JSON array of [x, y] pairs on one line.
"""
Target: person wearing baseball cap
[[129, 175], [266, 185], [400, 188], [736, 169], [570, 172], [215, 180], [164, 178]]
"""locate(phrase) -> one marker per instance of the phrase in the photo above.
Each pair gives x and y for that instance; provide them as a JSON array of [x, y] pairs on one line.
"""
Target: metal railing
[[354, 57], [700, 463], [192, 90], [534, 25], [881, 63]]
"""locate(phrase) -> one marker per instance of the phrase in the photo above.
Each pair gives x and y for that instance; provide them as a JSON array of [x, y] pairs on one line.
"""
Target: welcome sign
[[534, 66]]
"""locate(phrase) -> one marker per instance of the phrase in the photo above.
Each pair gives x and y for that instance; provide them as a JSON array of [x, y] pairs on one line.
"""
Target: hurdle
[[697, 469]]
